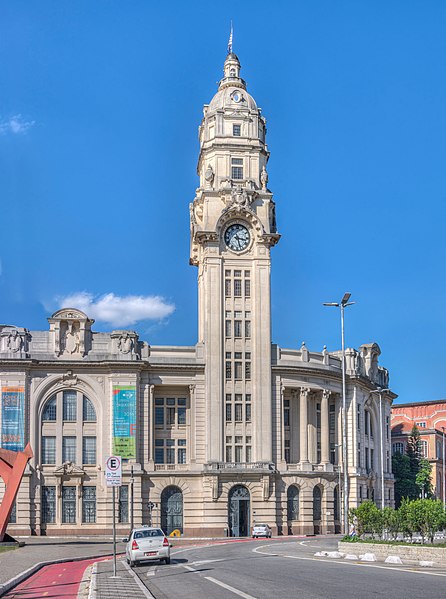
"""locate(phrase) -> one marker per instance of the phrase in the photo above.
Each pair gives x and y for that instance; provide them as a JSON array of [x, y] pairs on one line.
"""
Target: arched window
[[89, 413], [49, 411], [171, 509], [292, 503]]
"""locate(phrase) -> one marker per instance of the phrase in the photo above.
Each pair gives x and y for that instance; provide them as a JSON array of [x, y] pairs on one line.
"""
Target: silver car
[[147, 543], [261, 530]]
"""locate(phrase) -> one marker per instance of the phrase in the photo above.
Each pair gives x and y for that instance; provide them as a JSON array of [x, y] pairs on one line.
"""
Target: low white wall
[[413, 553]]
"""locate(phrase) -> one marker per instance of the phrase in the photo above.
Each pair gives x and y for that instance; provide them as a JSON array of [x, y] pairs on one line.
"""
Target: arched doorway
[[292, 507], [317, 509], [171, 510], [238, 511]]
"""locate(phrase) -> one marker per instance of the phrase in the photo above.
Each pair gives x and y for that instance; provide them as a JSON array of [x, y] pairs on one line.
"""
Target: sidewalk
[[125, 584]]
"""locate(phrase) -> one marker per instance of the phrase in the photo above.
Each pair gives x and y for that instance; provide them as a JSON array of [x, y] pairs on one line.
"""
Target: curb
[[8, 585]]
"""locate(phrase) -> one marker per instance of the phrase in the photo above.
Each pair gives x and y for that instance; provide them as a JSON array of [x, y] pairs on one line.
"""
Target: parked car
[[261, 530], [147, 543]]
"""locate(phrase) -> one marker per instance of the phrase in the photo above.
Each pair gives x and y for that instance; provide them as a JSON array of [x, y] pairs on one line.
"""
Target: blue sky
[[99, 108]]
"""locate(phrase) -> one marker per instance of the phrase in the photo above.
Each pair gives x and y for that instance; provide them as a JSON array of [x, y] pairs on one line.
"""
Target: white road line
[[345, 563], [189, 568], [229, 588]]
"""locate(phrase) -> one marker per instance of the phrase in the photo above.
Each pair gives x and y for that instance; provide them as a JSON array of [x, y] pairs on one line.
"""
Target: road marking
[[229, 588], [189, 568], [151, 572], [207, 561], [345, 563]]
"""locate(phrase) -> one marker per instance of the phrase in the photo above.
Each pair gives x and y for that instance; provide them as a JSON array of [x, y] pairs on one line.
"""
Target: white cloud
[[16, 124], [116, 310]]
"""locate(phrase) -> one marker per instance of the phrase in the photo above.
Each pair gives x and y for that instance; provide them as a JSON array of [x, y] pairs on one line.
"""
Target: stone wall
[[413, 553]]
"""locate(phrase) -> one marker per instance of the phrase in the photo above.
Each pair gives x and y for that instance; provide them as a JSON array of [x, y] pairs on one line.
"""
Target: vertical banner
[[124, 421], [13, 418]]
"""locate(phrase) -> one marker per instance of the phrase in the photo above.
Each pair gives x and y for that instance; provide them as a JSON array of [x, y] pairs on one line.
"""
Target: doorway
[[239, 512]]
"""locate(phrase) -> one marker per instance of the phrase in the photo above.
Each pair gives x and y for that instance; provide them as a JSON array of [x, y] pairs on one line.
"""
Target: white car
[[147, 543], [261, 530]]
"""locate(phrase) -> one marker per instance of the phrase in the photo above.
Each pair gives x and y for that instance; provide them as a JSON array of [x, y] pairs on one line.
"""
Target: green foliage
[[405, 485], [423, 478], [423, 516]]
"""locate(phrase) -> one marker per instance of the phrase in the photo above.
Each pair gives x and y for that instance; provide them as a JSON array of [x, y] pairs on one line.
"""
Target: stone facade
[[231, 431]]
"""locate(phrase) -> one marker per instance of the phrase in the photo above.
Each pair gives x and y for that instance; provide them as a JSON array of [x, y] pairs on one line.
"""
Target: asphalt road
[[283, 569]]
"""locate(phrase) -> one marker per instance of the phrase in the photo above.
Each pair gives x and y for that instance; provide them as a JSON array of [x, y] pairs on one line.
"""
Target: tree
[[413, 449], [405, 485], [423, 479]]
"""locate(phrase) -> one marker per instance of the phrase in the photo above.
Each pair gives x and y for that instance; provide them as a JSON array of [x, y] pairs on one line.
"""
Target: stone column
[[304, 425], [151, 463], [191, 441], [325, 428]]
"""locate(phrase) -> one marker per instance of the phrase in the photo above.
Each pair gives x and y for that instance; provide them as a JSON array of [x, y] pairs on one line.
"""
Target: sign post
[[113, 478]]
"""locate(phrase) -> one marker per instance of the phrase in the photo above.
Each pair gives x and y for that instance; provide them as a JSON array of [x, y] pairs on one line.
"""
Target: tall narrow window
[[286, 412], [49, 412], [247, 329], [236, 130], [48, 505], [248, 412], [123, 506], [287, 451], [228, 370], [69, 406], [89, 413], [68, 505], [237, 288], [248, 371], [239, 412], [238, 371], [228, 412], [181, 451], [237, 168], [69, 449], [237, 328], [48, 450], [89, 450], [247, 288], [228, 328], [227, 287], [88, 504], [159, 451]]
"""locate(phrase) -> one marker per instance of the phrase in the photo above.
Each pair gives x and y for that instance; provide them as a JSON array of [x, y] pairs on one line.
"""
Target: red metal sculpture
[[12, 467]]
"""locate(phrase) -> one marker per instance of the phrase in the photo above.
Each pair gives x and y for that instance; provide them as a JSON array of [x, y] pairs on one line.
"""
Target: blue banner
[[13, 418]]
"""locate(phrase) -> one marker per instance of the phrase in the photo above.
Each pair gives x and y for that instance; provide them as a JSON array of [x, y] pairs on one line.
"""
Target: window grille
[[89, 413], [89, 504], [50, 411], [123, 505], [48, 450], [68, 505], [69, 406], [69, 449], [89, 450], [48, 505], [236, 130]]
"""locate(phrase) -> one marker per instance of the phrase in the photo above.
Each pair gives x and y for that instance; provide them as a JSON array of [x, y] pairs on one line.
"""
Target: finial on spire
[[230, 41]]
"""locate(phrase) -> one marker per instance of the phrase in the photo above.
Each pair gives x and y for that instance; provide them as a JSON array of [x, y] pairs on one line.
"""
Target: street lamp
[[380, 393], [342, 305]]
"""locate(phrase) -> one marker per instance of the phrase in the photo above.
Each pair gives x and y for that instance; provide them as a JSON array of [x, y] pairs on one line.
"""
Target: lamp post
[[342, 305], [381, 441]]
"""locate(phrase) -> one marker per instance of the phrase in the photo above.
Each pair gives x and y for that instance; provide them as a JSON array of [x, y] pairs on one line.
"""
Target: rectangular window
[[170, 455], [237, 288], [182, 455], [69, 449], [237, 161], [237, 274], [227, 273], [170, 416], [68, 505], [228, 370], [247, 329], [248, 371], [48, 450], [248, 412], [48, 505], [228, 328], [287, 451], [89, 413], [228, 453], [247, 288], [237, 328], [159, 416], [181, 415], [227, 287], [238, 453], [359, 418], [238, 371], [88, 504], [89, 450], [228, 412], [248, 453], [236, 130], [237, 172], [238, 355], [123, 505], [159, 455], [331, 418], [239, 412], [69, 406]]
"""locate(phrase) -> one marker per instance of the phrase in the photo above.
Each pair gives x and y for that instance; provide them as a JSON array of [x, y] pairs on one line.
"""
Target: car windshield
[[260, 526], [150, 532]]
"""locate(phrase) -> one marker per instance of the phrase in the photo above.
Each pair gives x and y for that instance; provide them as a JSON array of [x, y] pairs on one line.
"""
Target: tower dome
[[232, 88]]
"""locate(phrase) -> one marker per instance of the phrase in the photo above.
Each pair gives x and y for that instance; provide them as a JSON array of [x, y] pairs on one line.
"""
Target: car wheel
[[167, 560], [132, 564]]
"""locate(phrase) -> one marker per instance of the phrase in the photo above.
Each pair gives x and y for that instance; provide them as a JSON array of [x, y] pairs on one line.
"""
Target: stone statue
[[14, 342], [325, 357], [125, 344], [72, 339], [264, 178], [304, 355], [209, 175]]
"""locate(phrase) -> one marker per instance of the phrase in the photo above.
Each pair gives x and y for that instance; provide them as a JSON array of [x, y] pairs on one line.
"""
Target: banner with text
[[13, 418], [124, 421]]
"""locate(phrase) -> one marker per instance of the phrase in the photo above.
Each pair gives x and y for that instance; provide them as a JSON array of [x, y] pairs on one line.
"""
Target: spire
[[230, 41]]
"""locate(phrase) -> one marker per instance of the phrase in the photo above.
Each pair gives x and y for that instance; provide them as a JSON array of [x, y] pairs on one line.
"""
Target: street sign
[[113, 472]]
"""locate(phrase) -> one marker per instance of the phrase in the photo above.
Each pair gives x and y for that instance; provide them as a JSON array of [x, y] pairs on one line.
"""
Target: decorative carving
[[70, 342], [304, 355], [305, 391], [209, 175], [14, 341], [125, 344], [69, 379], [69, 469], [326, 393], [264, 178]]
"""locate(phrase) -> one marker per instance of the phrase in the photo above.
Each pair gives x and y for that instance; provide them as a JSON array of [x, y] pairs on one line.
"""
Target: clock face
[[237, 237]]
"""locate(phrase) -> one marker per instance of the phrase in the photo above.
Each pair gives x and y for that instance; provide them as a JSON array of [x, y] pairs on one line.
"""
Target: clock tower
[[233, 228]]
